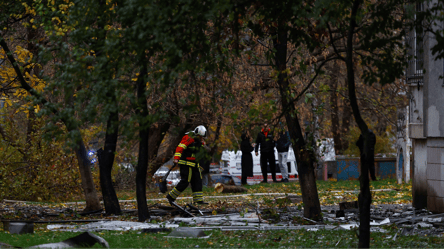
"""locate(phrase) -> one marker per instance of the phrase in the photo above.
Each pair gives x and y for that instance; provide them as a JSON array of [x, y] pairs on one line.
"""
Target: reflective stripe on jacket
[[185, 151]]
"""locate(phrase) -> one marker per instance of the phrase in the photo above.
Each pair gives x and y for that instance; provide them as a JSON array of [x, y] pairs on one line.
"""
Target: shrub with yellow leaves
[[33, 169]]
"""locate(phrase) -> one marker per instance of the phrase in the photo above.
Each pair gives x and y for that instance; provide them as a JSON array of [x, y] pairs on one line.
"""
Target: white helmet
[[200, 130]]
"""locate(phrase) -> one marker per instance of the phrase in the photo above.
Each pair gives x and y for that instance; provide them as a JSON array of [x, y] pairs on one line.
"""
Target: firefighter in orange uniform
[[188, 149]]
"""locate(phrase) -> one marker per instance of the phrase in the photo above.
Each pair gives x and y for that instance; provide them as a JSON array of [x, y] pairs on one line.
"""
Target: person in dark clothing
[[266, 141], [247, 158], [282, 146], [371, 155]]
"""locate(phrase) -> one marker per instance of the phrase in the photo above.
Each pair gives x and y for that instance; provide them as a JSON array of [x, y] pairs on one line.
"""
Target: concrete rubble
[[408, 220], [109, 225], [188, 232], [404, 217]]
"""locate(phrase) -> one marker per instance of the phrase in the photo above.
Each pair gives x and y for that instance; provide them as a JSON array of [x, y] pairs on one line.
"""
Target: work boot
[[170, 199]]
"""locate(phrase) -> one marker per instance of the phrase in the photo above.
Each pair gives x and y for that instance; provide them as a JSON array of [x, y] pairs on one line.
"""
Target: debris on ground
[[84, 240], [224, 188], [187, 232], [110, 226], [283, 215]]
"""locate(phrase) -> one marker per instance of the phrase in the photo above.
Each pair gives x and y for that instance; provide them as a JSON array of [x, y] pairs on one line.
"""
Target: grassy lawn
[[236, 239], [330, 193]]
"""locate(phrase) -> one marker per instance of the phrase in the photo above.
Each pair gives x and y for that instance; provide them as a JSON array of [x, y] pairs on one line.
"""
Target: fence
[[350, 168]]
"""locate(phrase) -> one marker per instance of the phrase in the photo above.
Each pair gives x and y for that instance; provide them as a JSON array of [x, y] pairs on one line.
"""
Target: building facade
[[426, 120]]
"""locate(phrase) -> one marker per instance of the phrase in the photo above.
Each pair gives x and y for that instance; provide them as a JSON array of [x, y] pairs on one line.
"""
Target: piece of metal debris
[[187, 232], [18, 227], [109, 226], [84, 240]]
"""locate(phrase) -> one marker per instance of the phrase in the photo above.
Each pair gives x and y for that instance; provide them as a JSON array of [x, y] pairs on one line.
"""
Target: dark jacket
[[283, 143], [266, 142], [247, 158]]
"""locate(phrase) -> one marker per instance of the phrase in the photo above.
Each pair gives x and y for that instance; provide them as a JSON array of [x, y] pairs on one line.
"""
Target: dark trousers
[[267, 158], [244, 179], [189, 175]]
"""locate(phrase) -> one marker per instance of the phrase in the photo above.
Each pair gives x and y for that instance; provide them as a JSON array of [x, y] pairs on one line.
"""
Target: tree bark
[[106, 161], [334, 113], [345, 127], [365, 195], [142, 164], [155, 160], [88, 186], [304, 156], [316, 136], [216, 137]]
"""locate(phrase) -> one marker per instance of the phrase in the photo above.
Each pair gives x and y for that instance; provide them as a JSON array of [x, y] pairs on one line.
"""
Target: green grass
[[292, 187], [236, 239], [330, 193]]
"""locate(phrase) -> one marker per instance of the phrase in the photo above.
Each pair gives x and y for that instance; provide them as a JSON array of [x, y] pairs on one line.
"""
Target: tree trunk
[[157, 134], [365, 195], [88, 186], [142, 164], [316, 136], [334, 113], [345, 127], [30, 131], [304, 156], [155, 159], [216, 137], [106, 161]]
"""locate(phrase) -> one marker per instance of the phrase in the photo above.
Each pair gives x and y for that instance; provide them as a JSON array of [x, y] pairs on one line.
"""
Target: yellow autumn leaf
[[8, 102]]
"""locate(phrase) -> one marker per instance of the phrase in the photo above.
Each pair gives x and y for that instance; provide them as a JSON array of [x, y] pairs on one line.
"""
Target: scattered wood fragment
[[222, 188], [348, 205], [288, 199]]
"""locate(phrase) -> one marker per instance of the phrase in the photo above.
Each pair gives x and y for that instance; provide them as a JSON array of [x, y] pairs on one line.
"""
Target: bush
[[33, 169], [124, 178]]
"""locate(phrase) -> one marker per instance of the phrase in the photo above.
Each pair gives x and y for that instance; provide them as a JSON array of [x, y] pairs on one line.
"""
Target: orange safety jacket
[[185, 151]]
